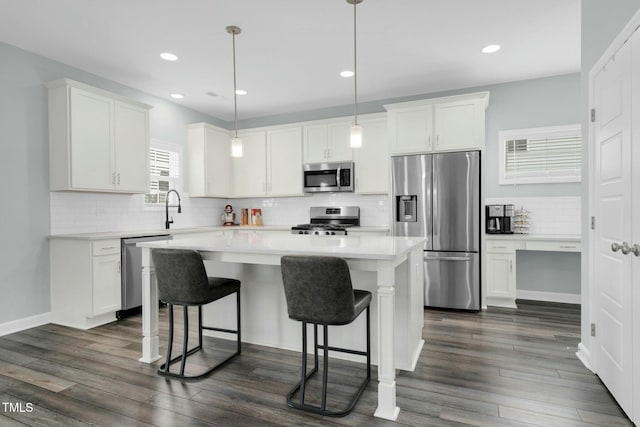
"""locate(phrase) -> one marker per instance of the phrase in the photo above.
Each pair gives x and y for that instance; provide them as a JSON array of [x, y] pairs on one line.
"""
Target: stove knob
[[300, 232], [306, 231], [316, 233], [333, 233]]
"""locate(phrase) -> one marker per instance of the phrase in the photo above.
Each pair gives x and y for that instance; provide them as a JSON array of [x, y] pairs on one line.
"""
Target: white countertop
[[258, 242], [174, 231], [525, 237]]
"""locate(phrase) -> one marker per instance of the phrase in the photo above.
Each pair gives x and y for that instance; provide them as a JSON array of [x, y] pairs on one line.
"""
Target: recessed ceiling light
[[346, 73], [177, 95], [241, 92], [491, 48], [168, 56]]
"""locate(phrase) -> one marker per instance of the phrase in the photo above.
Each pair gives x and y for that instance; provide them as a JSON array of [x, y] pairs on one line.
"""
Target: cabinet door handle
[[437, 140], [119, 267], [510, 266], [113, 178], [118, 178]]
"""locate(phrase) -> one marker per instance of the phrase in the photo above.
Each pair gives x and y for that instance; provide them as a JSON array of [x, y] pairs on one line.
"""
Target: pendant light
[[356, 129], [236, 143]]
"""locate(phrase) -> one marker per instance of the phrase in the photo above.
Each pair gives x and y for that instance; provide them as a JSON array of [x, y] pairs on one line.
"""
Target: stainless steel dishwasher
[[132, 274]]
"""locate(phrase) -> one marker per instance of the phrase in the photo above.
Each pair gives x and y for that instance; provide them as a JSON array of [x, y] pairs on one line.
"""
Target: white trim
[[26, 323], [584, 355], [549, 296]]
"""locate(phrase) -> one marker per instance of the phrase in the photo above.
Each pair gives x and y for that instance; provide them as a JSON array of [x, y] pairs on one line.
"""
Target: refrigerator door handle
[[446, 258]]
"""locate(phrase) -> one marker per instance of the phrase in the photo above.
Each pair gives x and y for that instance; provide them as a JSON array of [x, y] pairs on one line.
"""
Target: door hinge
[[593, 115], [593, 329], [593, 222]]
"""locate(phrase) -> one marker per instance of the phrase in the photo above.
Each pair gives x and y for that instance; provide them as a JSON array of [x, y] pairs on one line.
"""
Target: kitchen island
[[390, 267]]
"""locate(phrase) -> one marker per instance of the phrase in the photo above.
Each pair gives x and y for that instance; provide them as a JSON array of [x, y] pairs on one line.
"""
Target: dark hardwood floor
[[497, 368]]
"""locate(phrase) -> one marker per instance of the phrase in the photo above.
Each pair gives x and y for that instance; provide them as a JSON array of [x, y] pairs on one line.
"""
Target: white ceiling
[[291, 51]]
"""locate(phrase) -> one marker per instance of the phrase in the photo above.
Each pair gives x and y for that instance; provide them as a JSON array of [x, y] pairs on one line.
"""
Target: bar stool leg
[[303, 375], [325, 366], [185, 341], [170, 346]]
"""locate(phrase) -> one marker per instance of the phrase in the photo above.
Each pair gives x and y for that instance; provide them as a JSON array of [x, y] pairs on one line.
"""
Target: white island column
[[387, 407], [150, 340]]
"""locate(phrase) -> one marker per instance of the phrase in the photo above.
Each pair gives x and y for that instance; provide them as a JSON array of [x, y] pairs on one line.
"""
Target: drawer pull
[[107, 248], [568, 247], [499, 247]]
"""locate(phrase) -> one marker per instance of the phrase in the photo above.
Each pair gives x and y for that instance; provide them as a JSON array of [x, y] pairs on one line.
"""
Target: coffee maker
[[499, 219]]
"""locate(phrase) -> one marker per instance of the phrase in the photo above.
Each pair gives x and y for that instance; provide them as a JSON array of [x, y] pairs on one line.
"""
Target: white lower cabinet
[[85, 281], [501, 279]]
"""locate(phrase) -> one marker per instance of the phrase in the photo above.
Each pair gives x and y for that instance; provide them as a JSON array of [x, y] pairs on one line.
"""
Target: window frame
[[174, 183], [540, 176]]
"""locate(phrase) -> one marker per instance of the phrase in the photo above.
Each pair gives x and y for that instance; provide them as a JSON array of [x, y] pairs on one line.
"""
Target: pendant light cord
[[235, 95], [355, 65]]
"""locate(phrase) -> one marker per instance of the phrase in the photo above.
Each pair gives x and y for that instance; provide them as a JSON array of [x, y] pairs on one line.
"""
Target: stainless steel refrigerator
[[437, 196]]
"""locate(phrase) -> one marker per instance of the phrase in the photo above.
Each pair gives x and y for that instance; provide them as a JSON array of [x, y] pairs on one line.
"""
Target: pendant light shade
[[236, 143], [356, 136], [356, 129], [236, 147]]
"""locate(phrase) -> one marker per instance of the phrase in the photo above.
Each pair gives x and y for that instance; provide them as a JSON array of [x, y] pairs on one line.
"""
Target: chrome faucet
[[168, 221]]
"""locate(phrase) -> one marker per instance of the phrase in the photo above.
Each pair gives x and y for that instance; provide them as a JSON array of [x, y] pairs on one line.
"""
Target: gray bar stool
[[182, 280], [318, 290]]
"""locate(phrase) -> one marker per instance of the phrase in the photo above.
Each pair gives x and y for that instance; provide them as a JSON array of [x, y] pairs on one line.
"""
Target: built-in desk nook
[[501, 265]]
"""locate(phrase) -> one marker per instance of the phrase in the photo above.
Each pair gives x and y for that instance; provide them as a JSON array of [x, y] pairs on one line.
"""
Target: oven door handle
[[446, 258]]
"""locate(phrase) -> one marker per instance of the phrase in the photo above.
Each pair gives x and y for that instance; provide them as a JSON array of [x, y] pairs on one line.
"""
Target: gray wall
[[602, 21], [24, 168]]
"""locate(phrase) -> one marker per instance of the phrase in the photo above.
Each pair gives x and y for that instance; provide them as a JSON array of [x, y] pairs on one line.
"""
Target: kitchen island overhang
[[390, 267]]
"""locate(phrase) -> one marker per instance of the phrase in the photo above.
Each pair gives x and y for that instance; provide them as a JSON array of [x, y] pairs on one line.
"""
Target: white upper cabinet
[[250, 170], [284, 162], [459, 125], [209, 167], [411, 129], [327, 142], [372, 159], [440, 124], [98, 141]]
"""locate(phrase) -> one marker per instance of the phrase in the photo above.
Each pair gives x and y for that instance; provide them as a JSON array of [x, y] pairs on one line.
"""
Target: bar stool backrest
[[182, 278], [318, 289]]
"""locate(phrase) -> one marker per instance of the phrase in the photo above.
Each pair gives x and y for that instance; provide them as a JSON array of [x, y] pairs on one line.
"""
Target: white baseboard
[[549, 296], [584, 355], [26, 323]]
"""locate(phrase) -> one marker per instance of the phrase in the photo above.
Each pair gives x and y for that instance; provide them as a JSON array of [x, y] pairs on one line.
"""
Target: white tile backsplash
[[547, 215], [77, 212]]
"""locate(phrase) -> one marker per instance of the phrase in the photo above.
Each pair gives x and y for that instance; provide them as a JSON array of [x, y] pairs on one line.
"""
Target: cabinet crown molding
[[73, 83], [483, 96]]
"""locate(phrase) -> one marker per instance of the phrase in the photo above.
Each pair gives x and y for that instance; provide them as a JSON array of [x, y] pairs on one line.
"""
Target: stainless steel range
[[329, 221]]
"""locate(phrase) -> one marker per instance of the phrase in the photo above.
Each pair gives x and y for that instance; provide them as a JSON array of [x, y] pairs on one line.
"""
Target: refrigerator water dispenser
[[407, 208]]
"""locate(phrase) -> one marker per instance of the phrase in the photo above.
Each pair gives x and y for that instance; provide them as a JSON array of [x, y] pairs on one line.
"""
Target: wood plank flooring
[[500, 367]]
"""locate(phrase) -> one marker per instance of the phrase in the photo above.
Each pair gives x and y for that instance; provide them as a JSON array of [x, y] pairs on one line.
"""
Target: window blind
[[542, 156], [164, 167]]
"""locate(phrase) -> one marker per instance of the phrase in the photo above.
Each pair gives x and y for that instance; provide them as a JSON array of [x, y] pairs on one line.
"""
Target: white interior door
[[612, 273]]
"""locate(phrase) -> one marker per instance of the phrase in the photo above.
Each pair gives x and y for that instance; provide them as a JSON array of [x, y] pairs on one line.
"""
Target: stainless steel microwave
[[328, 177]]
